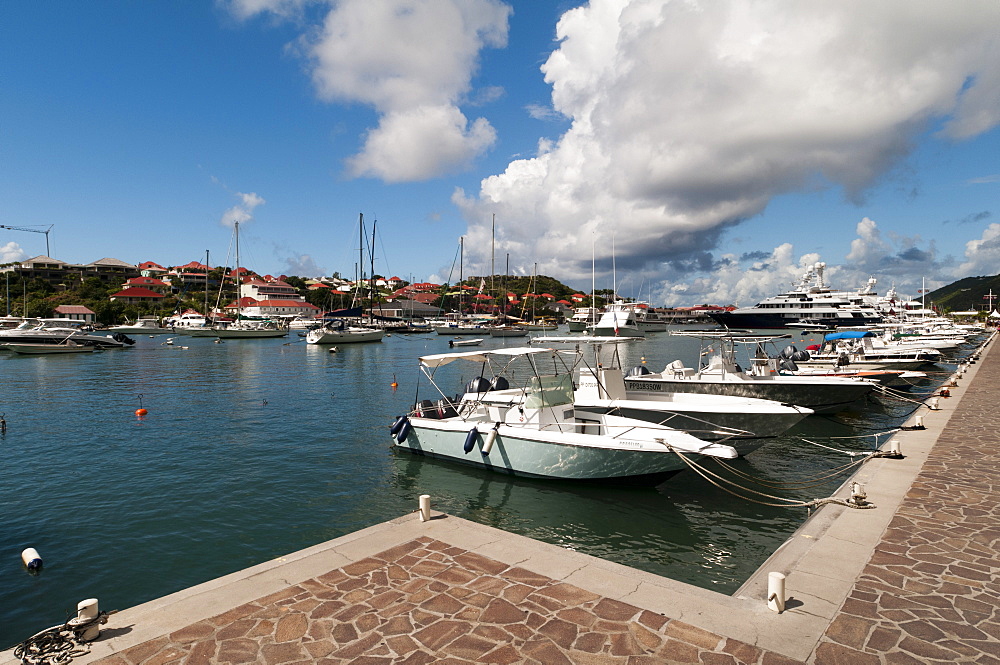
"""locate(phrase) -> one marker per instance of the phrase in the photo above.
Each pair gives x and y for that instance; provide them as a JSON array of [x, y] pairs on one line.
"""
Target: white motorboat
[[144, 326], [57, 331], [248, 329], [339, 332], [862, 349], [582, 318], [722, 375], [458, 341], [743, 422], [618, 320], [185, 322], [28, 348], [459, 328], [536, 431]]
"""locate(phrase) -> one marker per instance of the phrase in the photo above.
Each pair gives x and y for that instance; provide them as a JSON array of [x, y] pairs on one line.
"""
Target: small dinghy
[[465, 342]]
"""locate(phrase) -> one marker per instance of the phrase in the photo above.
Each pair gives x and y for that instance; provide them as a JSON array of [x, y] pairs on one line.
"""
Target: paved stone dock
[[913, 581]]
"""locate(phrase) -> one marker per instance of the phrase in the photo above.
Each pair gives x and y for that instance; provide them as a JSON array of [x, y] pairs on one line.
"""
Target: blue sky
[[702, 151]]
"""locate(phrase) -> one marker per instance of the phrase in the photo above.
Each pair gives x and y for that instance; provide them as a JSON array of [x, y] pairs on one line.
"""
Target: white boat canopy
[[439, 359]]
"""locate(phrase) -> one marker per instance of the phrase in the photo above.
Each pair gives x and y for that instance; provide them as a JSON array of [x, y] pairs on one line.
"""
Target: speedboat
[[722, 375], [339, 332], [743, 422], [862, 349], [536, 431], [28, 348], [145, 326], [57, 331]]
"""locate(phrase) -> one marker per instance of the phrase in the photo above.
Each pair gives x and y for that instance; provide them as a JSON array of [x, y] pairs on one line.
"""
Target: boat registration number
[[642, 385]]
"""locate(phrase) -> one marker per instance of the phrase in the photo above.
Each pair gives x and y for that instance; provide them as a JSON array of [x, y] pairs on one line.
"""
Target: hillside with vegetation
[[968, 294]]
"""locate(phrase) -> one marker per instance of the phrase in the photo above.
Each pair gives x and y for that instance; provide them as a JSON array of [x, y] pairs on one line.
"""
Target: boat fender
[[32, 560], [470, 440], [397, 425], [490, 438], [404, 431]]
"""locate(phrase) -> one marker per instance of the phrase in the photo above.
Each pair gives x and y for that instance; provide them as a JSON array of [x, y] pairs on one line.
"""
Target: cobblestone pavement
[[428, 602], [929, 594]]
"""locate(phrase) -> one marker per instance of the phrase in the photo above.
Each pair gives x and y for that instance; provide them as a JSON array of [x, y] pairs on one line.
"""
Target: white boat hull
[[348, 336], [821, 395], [530, 452]]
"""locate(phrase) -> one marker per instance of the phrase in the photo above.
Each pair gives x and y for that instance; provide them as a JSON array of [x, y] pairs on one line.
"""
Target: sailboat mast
[[461, 273], [206, 286], [371, 280], [493, 244], [236, 277]]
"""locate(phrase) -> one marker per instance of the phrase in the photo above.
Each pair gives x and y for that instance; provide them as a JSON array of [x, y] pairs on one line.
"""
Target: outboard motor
[[788, 365], [788, 351], [477, 385], [122, 338], [638, 370], [445, 409], [499, 383], [801, 356], [427, 409]]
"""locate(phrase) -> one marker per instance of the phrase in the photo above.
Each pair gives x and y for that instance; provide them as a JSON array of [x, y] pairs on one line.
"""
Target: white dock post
[[425, 507], [776, 592]]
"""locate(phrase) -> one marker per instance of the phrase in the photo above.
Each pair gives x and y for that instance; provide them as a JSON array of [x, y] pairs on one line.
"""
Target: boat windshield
[[546, 391]]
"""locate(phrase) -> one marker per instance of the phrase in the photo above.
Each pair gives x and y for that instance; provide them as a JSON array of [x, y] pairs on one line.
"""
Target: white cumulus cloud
[[11, 252], [413, 62], [689, 117], [242, 212]]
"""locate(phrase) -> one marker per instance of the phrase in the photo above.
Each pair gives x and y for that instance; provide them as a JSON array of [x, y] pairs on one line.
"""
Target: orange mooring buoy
[[140, 411]]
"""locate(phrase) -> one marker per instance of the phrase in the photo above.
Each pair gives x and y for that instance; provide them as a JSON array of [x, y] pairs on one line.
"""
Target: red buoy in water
[[141, 412]]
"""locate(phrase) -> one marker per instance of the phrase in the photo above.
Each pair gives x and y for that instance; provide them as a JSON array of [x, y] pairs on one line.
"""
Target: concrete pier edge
[[821, 561]]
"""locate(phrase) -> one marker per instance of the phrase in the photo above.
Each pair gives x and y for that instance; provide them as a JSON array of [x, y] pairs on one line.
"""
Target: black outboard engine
[[788, 365], [427, 409], [123, 339], [499, 383], [801, 356], [789, 352], [638, 370], [477, 385]]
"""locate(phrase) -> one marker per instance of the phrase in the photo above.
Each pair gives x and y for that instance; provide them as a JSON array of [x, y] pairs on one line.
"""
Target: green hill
[[969, 293]]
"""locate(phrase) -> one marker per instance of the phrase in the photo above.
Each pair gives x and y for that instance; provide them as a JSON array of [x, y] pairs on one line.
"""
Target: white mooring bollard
[[918, 422], [87, 611], [934, 404], [425, 507], [776, 592], [894, 449]]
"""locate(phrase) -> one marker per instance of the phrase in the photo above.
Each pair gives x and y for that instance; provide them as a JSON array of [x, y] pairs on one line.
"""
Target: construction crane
[[33, 230]]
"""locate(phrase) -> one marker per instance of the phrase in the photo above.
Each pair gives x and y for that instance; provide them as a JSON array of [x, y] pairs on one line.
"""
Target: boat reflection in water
[[660, 530]]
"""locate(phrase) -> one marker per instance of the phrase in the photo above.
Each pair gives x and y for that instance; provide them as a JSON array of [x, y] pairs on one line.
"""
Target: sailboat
[[241, 328], [337, 330]]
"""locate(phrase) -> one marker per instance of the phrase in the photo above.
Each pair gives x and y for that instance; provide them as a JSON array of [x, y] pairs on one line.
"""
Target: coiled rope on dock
[[58, 644]]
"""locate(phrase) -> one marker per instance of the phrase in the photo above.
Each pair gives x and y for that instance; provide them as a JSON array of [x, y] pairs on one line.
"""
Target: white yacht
[[619, 320], [809, 302], [340, 332]]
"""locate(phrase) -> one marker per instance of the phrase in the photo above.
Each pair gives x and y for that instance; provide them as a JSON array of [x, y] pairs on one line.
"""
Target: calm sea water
[[253, 449]]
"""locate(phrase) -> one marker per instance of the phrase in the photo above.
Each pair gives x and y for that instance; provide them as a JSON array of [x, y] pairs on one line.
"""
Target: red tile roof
[[137, 292]]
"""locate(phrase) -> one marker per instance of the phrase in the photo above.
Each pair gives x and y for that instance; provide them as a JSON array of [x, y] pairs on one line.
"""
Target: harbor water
[[252, 449]]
